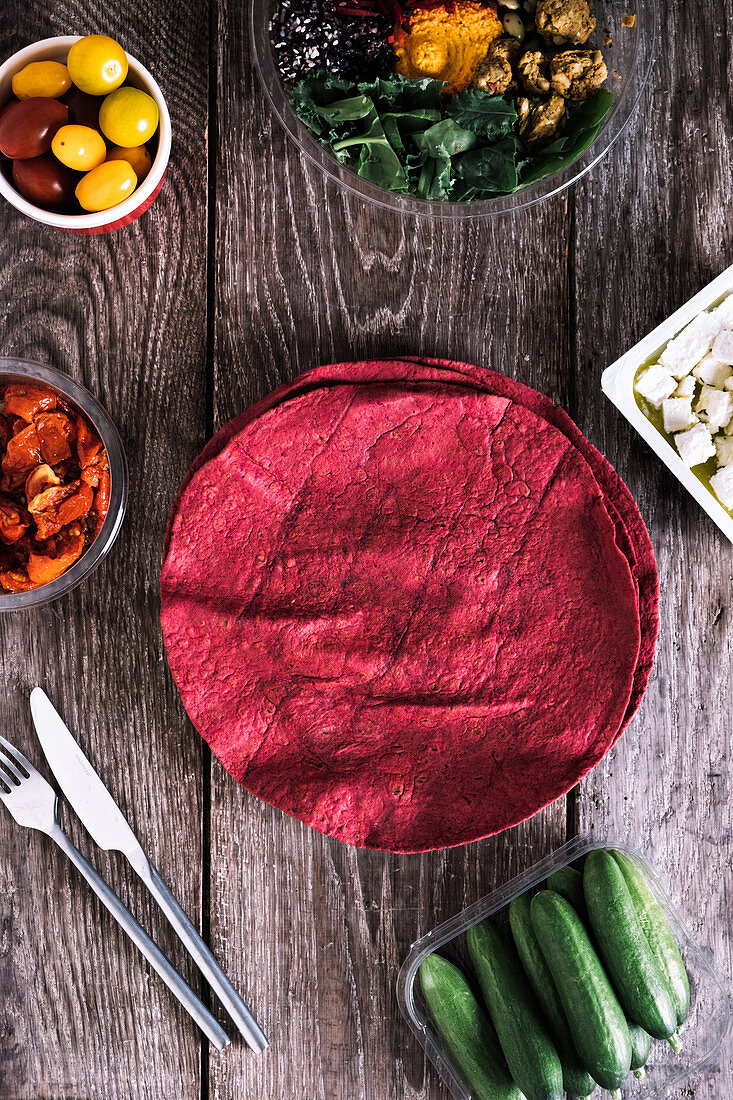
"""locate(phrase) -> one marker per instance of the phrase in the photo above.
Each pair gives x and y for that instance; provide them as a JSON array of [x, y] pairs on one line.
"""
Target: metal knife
[[109, 828]]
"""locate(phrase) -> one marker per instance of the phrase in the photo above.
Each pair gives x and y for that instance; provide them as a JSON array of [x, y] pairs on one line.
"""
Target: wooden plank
[[664, 199], [315, 932], [81, 1014]]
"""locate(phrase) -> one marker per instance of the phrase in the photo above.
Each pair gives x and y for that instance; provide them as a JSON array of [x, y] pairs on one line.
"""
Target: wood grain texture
[[81, 1015], [314, 931], [311, 932], [666, 786]]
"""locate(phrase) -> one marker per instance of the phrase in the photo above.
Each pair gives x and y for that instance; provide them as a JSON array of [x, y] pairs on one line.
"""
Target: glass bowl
[[20, 370], [629, 57]]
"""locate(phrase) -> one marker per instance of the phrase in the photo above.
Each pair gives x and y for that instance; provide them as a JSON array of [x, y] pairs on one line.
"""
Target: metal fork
[[33, 803]]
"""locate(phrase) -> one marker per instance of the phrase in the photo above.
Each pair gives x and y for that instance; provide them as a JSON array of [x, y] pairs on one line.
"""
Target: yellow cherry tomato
[[129, 117], [79, 147], [97, 64], [106, 185], [49, 79], [138, 158]]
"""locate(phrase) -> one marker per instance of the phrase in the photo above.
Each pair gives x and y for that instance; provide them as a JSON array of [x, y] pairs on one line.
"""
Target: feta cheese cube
[[696, 445], [722, 485], [686, 387], [715, 407], [678, 414], [712, 371], [723, 346], [728, 429], [724, 449], [724, 312], [688, 348], [655, 384]]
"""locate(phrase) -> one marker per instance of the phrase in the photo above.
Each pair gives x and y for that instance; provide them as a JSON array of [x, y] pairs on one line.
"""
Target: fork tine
[[17, 757], [10, 769]]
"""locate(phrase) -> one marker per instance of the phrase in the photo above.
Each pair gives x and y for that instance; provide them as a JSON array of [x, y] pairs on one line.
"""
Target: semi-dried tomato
[[54, 486]]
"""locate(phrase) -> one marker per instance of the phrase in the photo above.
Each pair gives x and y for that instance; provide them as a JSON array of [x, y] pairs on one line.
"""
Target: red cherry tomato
[[6, 106], [27, 128], [83, 108], [45, 182]]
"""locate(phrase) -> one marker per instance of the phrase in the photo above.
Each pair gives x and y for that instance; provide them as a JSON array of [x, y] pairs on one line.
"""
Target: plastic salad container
[[79, 398], [628, 55], [702, 1035], [617, 383]]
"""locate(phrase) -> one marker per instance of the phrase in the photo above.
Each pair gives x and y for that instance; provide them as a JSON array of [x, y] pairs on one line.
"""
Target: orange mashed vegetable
[[446, 44]]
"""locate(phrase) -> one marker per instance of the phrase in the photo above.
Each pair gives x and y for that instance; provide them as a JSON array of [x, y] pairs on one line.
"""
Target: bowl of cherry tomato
[[63, 484], [85, 134]]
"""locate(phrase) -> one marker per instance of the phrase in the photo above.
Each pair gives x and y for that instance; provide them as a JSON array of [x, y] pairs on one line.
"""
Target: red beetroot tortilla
[[631, 533], [399, 611]]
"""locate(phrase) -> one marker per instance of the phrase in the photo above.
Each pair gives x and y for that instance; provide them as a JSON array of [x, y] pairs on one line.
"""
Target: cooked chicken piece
[[495, 74], [565, 21], [534, 74], [540, 125], [524, 110], [577, 74]]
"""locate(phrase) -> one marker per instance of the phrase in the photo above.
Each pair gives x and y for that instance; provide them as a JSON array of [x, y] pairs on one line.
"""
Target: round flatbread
[[397, 608]]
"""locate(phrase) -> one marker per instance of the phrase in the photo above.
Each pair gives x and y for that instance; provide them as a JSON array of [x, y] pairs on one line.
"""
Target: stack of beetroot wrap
[[407, 602]]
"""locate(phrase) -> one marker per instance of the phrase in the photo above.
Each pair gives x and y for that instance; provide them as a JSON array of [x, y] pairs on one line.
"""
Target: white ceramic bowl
[[57, 49]]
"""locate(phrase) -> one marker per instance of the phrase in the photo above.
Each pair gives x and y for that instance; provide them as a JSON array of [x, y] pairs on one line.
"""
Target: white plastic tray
[[617, 383]]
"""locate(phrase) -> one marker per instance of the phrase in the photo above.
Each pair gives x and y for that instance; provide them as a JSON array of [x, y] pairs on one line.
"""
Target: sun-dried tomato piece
[[22, 453], [6, 431], [58, 505], [27, 401], [14, 520], [101, 500], [61, 552], [15, 580], [88, 443], [55, 432], [92, 472]]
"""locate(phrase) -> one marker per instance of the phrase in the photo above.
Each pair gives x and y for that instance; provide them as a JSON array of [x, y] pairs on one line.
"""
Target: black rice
[[308, 35]]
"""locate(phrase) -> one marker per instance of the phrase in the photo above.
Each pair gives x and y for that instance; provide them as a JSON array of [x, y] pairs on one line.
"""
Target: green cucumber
[[631, 964], [466, 1030], [532, 1059], [659, 934], [577, 1081], [595, 1018], [641, 1045], [568, 882]]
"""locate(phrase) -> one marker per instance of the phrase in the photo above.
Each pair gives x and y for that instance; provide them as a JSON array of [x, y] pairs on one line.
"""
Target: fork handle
[[193, 1005], [203, 957]]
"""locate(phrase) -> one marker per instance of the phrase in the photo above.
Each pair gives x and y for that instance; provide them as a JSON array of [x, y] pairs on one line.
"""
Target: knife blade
[[110, 829], [95, 806]]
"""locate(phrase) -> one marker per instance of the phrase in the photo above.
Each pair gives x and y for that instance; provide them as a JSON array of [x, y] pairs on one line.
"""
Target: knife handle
[[203, 957], [193, 1005]]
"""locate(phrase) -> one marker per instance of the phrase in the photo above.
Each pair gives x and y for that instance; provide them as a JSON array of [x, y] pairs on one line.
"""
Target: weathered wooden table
[[248, 269]]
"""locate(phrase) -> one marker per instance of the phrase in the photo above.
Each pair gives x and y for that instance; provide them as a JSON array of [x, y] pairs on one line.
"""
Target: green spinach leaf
[[445, 139], [492, 168], [490, 116]]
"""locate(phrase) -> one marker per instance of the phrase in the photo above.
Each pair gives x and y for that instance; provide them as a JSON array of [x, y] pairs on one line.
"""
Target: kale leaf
[[490, 116], [406, 136]]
